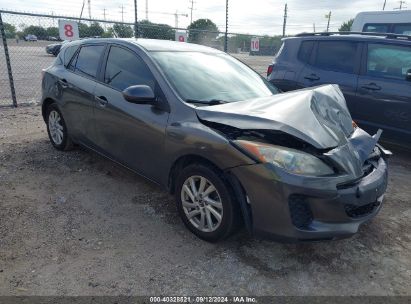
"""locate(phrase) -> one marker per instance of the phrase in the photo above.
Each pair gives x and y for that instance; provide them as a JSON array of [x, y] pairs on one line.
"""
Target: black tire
[[231, 211], [66, 143]]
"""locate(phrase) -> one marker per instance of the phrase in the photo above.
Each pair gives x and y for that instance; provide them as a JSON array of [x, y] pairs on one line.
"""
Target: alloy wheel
[[201, 203]]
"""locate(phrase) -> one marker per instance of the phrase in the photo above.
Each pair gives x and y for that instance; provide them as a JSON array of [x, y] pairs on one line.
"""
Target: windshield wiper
[[211, 102]]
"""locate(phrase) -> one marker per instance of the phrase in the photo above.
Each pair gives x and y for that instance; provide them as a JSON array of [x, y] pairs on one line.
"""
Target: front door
[[132, 134]]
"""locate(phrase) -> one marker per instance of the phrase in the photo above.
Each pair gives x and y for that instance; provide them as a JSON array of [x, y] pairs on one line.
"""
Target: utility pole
[[89, 9], [383, 7], [82, 9], [329, 18], [122, 13], [226, 27], [104, 17], [191, 9], [135, 20], [285, 18], [314, 27], [147, 10]]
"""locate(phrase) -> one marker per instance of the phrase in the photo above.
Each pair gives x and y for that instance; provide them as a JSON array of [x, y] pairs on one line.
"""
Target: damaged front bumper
[[289, 207]]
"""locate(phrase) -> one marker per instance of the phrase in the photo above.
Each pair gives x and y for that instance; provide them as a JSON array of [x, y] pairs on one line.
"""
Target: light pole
[[226, 26], [135, 20]]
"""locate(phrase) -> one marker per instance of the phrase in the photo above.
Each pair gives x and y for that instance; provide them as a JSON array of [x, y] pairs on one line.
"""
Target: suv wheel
[[205, 203], [56, 129]]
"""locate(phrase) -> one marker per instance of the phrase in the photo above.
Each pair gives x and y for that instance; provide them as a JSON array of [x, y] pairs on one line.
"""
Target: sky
[[258, 17]]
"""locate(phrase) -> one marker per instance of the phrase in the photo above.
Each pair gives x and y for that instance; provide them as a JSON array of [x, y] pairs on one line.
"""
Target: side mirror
[[408, 75], [141, 94]]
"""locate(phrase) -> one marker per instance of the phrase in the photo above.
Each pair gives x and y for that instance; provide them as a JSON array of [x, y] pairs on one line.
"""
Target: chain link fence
[[33, 42]]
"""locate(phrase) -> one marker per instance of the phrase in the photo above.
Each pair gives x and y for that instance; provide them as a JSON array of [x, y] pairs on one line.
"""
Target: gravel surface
[[73, 223]]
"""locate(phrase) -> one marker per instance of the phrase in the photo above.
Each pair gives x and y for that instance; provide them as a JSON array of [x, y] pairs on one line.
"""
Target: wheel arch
[[46, 102], [237, 189]]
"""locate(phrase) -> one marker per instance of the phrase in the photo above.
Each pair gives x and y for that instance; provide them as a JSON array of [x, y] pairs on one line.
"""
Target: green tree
[[108, 33], [83, 30], [10, 30], [39, 31], [123, 30], [95, 29], [53, 31], [151, 30], [346, 26], [202, 31]]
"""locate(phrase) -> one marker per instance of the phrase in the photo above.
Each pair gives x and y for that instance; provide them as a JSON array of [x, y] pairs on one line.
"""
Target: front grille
[[301, 215], [360, 211]]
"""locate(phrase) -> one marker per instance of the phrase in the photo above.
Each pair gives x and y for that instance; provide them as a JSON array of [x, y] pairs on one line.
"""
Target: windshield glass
[[211, 77]]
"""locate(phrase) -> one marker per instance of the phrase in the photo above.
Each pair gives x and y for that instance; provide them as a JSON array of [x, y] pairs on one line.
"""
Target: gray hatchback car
[[231, 148]]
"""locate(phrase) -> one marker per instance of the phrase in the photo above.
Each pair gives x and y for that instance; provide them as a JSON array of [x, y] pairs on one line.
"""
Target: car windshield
[[211, 78]]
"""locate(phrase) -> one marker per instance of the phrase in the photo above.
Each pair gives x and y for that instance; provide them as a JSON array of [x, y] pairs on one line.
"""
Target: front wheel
[[205, 203], [57, 129]]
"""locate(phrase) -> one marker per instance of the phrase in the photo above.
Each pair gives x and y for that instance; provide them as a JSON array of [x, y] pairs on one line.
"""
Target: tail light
[[269, 70], [43, 72]]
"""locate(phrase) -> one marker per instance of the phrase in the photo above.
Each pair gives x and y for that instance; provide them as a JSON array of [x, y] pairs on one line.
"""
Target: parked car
[[54, 49], [398, 22], [219, 137], [30, 37], [373, 72]]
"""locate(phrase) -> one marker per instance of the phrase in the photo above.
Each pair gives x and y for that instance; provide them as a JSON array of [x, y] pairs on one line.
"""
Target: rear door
[[78, 83], [133, 134], [334, 62], [384, 93]]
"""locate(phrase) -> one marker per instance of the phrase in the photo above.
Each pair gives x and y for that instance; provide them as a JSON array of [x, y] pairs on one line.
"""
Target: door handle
[[102, 101], [63, 82], [371, 86], [312, 77]]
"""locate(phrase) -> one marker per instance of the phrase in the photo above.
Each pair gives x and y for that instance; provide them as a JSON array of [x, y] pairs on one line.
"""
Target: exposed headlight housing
[[291, 160]]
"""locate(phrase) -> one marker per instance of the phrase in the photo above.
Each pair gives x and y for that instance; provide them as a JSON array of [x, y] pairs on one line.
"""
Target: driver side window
[[124, 69]]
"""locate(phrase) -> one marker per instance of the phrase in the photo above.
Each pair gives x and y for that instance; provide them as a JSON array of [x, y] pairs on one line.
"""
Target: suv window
[[125, 69], [389, 61], [336, 56], [304, 53], [404, 29], [87, 60], [376, 28]]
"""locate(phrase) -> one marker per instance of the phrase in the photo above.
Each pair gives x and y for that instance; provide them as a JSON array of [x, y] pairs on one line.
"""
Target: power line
[[285, 18]]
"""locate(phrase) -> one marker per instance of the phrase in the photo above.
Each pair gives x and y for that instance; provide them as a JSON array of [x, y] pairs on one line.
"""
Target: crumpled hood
[[318, 116]]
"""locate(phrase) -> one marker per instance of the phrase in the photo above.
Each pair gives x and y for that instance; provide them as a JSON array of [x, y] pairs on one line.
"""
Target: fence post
[[6, 53]]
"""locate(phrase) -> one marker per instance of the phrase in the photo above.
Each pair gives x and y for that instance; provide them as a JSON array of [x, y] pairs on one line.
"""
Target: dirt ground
[[73, 223]]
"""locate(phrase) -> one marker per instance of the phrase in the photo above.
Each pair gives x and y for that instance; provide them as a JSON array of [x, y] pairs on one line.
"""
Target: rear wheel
[[57, 129], [205, 203]]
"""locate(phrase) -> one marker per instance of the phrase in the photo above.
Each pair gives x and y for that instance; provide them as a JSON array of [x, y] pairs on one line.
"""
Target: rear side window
[[376, 28], [404, 29], [388, 61], [87, 60], [305, 51], [337, 56], [125, 69]]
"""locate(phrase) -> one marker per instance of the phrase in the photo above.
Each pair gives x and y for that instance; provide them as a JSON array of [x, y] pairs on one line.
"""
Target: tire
[[57, 129], [193, 207]]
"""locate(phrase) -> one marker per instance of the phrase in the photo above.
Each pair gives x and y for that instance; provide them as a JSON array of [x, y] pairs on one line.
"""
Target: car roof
[[403, 39], [153, 44]]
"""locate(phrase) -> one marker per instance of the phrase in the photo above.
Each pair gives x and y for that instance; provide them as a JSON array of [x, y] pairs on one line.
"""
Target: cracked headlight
[[292, 160]]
